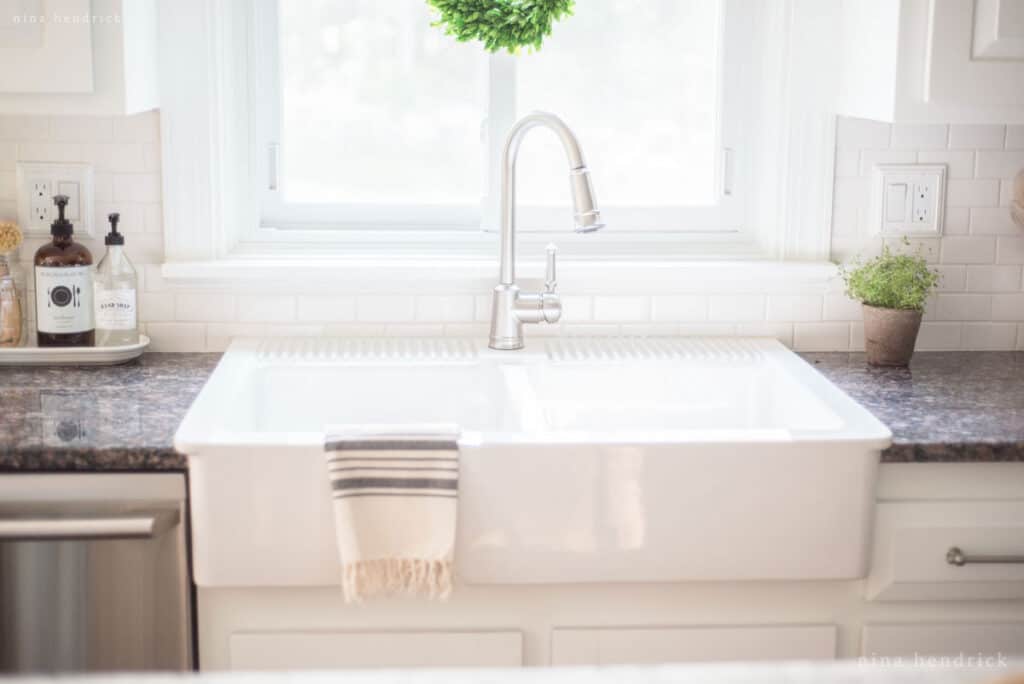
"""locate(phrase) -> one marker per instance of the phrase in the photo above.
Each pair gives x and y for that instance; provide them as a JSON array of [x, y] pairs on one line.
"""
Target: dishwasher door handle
[[123, 526]]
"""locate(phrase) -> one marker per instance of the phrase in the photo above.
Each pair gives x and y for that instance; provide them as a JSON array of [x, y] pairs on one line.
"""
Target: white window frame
[[212, 224], [723, 220]]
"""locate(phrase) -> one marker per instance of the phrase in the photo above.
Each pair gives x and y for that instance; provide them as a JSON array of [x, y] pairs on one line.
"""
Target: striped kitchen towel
[[395, 490]]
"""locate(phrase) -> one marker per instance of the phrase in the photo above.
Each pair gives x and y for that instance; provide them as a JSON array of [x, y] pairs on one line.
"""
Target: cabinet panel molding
[[298, 650], [642, 646]]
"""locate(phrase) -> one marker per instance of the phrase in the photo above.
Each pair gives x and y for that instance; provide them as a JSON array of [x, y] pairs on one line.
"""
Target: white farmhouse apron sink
[[607, 460]]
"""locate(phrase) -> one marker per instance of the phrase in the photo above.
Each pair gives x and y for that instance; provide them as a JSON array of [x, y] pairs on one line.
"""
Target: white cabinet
[[913, 538], [944, 640], [947, 61], [76, 57], [638, 646], [349, 650]]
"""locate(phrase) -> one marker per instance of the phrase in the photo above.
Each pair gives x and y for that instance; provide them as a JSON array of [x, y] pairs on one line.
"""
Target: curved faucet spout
[[586, 214], [510, 308]]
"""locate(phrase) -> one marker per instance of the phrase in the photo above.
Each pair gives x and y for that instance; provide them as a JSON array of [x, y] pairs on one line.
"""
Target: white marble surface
[[906, 672]]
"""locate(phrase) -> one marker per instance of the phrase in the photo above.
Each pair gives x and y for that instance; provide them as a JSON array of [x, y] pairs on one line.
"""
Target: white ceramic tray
[[72, 356]]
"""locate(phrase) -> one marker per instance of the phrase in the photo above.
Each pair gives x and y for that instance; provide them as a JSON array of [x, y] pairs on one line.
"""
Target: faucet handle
[[550, 279]]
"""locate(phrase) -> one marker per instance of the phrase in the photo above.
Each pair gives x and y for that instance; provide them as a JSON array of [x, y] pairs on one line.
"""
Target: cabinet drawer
[[636, 646], [945, 640], [913, 539], [342, 650]]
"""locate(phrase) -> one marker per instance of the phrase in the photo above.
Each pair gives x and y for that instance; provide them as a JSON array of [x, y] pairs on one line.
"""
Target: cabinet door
[[608, 646], [976, 53], [344, 650], [50, 45], [946, 640]]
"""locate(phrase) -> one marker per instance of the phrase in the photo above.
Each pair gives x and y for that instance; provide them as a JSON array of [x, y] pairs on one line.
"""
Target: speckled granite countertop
[[100, 418], [949, 407]]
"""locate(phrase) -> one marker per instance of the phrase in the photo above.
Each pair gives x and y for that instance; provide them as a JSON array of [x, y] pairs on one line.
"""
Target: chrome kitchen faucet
[[511, 308]]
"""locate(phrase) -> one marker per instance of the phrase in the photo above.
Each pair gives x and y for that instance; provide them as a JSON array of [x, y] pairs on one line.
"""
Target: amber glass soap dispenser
[[64, 287]]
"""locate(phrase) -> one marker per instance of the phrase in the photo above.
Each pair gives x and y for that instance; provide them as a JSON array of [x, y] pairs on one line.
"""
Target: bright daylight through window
[[375, 116]]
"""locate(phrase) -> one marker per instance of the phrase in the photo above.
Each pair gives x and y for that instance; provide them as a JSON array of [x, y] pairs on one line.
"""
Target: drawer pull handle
[[955, 556]]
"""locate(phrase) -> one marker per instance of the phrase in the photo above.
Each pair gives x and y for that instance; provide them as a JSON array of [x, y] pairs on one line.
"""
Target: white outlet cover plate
[[897, 182], [28, 173]]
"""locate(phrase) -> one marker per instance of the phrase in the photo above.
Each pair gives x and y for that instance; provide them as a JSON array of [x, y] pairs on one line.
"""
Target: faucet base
[[506, 343]]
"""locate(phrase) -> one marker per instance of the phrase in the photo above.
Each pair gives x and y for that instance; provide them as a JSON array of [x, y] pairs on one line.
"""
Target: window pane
[[377, 105], [637, 80]]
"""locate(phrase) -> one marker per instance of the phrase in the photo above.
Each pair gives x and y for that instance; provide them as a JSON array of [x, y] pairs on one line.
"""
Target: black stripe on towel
[[393, 483], [396, 459], [432, 495], [391, 445], [439, 469]]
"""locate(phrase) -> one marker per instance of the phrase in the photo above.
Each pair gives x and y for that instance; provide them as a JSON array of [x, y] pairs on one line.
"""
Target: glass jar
[[13, 302]]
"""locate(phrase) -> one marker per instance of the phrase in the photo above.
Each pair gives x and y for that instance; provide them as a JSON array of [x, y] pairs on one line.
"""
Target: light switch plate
[[38, 182], [908, 199]]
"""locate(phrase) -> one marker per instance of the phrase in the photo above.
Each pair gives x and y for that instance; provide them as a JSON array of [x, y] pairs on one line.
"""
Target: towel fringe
[[366, 578]]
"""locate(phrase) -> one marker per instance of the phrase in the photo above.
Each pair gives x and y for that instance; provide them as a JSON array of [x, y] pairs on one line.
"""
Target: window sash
[[725, 217]]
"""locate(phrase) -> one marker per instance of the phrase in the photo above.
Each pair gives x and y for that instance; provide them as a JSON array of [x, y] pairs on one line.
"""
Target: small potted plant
[[893, 289]]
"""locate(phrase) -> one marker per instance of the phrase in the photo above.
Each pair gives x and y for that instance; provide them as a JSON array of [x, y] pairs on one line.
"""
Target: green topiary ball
[[509, 24]]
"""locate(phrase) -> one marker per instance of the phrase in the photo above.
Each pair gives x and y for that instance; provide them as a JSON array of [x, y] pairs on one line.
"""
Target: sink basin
[[582, 460]]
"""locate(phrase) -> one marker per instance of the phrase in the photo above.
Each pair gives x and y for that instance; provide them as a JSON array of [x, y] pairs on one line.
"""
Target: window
[[367, 117]]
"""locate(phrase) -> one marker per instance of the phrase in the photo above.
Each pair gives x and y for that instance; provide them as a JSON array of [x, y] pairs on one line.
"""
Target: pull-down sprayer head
[[586, 214]]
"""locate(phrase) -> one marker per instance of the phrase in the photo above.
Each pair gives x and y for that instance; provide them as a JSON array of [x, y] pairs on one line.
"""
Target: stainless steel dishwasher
[[94, 573]]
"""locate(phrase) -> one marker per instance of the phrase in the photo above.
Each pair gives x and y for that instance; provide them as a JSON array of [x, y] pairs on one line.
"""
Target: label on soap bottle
[[115, 310], [64, 299]]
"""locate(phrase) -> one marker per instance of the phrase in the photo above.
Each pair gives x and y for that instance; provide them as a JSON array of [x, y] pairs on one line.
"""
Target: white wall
[[981, 305]]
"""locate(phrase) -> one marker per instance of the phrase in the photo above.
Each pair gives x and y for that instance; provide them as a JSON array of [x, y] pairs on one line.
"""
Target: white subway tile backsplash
[[972, 193], [1015, 137], [679, 308], [385, 308], [862, 133], [839, 307], [963, 307], [871, 158], [939, 336], [622, 308], [993, 278], [1010, 250], [957, 221], [794, 308], [989, 336], [971, 136], [24, 128], [1008, 307], [445, 308], [968, 250], [136, 187], [783, 332], [156, 306], [266, 308], [847, 162], [980, 255], [952, 278], [959, 163], [999, 163], [736, 308], [920, 136], [821, 336], [992, 221], [176, 337], [326, 308], [204, 306], [82, 129]]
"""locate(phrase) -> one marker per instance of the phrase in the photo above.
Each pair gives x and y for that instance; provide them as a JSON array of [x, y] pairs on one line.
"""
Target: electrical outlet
[[38, 182], [908, 199]]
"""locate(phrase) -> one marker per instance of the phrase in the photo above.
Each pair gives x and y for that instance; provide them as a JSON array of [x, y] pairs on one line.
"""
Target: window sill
[[287, 275]]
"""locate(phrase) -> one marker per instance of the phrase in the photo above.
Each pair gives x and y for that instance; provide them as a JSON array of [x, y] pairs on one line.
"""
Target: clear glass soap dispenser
[[116, 300]]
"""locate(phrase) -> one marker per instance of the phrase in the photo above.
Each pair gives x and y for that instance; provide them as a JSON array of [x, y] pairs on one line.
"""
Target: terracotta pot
[[889, 335]]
